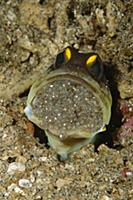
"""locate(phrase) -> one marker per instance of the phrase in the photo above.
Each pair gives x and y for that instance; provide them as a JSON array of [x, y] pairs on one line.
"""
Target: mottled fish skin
[[71, 102]]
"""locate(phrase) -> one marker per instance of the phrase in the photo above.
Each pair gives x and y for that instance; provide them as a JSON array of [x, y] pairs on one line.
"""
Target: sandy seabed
[[31, 34]]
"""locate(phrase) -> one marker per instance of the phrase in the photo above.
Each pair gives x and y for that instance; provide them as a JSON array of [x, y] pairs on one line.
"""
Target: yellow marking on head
[[68, 54], [91, 59], [104, 129]]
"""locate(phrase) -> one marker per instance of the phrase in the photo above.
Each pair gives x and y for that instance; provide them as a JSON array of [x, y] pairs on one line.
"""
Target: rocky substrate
[[32, 33]]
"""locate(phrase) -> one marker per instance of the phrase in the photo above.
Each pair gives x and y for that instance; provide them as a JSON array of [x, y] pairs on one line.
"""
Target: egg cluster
[[65, 105]]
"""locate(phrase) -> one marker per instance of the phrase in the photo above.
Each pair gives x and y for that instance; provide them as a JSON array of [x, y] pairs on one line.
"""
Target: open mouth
[[68, 104]]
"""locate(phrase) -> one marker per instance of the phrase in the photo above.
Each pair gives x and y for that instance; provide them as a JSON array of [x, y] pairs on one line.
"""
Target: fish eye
[[94, 65], [91, 60], [63, 57]]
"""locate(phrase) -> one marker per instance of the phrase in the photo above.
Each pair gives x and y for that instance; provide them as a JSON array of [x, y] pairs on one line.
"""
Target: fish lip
[[28, 111]]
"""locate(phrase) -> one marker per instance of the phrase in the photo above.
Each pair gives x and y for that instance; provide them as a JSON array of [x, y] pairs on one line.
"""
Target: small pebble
[[43, 159], [32, 178], [25, 183], [15, 167], [62, 182], [105, 198], [15, 188]]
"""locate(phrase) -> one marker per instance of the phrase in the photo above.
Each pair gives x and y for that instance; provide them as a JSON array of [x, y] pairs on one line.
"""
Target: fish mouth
[[52, 99], [68, 107], [99, 89]]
